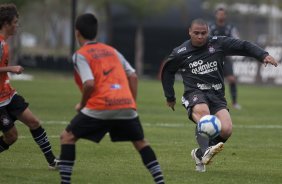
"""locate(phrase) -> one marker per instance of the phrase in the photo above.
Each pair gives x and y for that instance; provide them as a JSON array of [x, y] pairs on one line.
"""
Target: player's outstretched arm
[[13, 69], [269, 59]]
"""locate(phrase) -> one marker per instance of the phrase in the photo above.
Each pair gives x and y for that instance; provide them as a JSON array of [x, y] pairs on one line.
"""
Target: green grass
[[252, 155]]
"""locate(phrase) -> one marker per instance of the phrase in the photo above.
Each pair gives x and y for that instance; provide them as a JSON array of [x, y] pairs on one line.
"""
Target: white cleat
[[211, 152], [200, 167]]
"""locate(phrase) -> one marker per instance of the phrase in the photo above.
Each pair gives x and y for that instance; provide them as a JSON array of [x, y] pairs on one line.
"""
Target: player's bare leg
[[39, 135], [8, 138]]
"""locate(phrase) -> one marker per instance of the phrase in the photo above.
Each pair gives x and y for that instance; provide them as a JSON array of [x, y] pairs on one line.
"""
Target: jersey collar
[[90, 42]]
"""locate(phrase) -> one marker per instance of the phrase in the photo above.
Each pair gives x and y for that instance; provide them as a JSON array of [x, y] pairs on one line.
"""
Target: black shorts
[[9, 113], [215, 101], [93, 129], [228, 67]]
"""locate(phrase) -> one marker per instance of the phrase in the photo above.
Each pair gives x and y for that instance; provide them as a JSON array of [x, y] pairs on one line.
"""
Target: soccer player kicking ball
[[13, 106], [200, 62], [109, 88]]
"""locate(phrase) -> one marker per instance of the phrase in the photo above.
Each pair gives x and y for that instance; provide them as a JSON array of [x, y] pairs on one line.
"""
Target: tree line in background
[[49, 21]]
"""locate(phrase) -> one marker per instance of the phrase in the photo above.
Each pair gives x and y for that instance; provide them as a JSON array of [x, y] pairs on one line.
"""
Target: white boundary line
[[167, 125], [30, 137], [176, 125], [235, 126]]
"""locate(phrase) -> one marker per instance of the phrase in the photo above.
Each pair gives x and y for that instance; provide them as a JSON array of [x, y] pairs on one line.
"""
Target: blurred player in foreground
[[200, 62], [108, 104], [13, 106], [221, 28]]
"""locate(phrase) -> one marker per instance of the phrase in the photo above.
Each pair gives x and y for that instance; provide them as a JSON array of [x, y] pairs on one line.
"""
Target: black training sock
[[203, 142], [3, 146], [199, 153], [150, 161], [40, 137], [66, 163], [217, 140], [233, 91]]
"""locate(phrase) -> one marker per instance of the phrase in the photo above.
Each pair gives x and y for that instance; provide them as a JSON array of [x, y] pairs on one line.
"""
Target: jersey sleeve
[[82, 67], [126, 66], [170, 67], [239, 47]]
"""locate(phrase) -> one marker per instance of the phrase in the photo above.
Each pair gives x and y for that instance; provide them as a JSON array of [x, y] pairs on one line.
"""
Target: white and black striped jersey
[[201, 68]]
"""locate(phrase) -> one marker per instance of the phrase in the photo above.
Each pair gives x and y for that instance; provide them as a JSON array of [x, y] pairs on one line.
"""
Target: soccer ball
[[209, 126]]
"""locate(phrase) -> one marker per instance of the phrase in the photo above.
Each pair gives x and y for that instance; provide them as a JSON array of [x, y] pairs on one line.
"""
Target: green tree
[[18, 3]]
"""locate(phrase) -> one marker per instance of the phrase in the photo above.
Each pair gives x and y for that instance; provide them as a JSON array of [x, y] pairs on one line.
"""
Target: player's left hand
[[78, 107], [271, 60], [16, 69]]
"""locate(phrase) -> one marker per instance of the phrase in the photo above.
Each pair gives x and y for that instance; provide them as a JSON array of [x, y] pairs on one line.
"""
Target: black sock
[[203, 142], [233, 91], [199, 153], [66, 163], [150, 161], [3, 146], [217, 140], [40, 137]]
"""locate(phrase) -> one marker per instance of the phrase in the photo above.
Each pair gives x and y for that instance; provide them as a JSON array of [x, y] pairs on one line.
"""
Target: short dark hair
[[220, 9], [87, 25], [199, 21], [7, 13]]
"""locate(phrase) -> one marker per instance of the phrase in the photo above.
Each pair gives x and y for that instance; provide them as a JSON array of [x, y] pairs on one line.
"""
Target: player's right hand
[[271, 60], [171, 105], [16, 69]]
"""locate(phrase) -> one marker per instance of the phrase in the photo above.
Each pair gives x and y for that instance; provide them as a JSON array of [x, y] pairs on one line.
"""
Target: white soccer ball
[[209, 126]]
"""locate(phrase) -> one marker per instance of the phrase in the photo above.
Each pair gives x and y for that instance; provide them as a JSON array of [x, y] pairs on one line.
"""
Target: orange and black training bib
[[111, 88], [6, 91]]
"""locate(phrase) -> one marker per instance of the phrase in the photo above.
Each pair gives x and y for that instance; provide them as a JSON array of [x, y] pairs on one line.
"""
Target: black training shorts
[[215, 101], [86, 127], [9, 113]]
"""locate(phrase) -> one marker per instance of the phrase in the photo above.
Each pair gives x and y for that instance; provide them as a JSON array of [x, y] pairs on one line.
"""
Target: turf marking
[[176, 125]]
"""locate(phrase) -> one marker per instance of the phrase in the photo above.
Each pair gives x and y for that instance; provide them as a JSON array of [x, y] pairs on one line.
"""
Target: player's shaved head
[[199, 21], [198, 32]]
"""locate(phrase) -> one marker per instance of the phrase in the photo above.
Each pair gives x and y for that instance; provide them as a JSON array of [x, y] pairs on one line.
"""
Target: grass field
[[251, 156]]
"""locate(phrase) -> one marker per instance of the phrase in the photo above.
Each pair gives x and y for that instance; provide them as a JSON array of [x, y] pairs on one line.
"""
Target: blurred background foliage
[[136, 28]]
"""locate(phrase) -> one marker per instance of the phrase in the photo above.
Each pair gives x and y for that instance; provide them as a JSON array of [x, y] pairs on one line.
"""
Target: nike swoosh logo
[[189, 57], [107, 72]]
